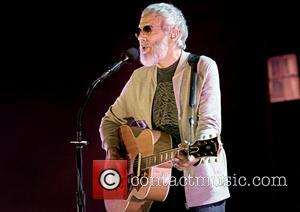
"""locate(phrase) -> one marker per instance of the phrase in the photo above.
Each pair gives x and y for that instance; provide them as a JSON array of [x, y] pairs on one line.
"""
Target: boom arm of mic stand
[[80, 194]]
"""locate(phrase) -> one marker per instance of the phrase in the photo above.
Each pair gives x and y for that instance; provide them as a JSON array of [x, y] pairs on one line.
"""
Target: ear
[[174, 33]]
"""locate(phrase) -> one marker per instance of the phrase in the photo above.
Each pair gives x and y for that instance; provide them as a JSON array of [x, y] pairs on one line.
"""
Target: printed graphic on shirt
[[165, 116]]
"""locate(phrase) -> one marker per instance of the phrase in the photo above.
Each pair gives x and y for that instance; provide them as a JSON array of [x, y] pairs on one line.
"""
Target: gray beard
[[160, 50]]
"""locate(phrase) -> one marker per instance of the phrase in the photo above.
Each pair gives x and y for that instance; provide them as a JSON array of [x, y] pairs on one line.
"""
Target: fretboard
[[158, 158]]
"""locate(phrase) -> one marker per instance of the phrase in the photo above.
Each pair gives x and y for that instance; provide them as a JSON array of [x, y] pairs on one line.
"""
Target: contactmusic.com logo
[[110, 179]]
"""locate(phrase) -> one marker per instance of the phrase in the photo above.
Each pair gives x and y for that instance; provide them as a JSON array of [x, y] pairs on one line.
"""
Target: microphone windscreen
[[132, 54]]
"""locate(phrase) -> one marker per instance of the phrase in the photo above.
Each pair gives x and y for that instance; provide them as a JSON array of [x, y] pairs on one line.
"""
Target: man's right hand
[[113, 154]]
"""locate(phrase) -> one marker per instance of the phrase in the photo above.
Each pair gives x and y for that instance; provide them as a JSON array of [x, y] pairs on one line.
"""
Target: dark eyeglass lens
[[146, 29]]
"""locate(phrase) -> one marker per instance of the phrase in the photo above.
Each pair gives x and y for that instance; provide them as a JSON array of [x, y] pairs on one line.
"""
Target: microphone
[[130, 55]]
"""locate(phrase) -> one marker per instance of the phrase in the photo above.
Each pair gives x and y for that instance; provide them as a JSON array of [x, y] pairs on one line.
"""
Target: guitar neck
[[158, 158], [203, 148]]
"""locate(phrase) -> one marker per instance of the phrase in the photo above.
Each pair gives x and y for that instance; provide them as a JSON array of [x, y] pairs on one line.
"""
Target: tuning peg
[[208, 160], [216, 159]]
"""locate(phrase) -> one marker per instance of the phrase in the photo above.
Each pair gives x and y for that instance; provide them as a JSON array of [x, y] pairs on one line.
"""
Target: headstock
[[204, 148]]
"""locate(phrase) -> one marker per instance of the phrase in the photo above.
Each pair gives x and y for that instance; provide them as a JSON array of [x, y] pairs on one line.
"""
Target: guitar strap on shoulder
[[193, 61]]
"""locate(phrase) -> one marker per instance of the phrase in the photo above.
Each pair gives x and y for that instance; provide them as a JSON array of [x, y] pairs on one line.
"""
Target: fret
[[163, 156]]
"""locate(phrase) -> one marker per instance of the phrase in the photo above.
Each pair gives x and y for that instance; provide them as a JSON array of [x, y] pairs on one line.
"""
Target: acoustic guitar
[[149, 154]]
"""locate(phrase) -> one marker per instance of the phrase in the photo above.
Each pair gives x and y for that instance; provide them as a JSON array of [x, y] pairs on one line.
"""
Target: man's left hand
[[181, 160]]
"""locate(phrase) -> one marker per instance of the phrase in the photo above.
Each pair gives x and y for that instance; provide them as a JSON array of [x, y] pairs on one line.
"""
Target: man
[[157, 94]]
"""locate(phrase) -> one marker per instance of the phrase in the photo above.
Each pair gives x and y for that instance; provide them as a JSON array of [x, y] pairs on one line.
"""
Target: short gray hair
[[172, 17]]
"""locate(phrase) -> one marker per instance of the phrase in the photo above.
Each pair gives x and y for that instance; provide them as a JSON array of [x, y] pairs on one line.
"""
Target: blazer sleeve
[[118, 114], [209, 107]]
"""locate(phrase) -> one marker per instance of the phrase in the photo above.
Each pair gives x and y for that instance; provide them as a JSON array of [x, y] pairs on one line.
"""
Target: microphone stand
[[79, 143], [192, 60]]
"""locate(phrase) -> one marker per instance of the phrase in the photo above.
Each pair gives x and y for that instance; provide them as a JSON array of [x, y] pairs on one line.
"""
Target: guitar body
[[145, 142]]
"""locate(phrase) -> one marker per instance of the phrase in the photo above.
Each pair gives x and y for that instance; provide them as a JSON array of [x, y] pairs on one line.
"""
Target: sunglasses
[[146, 30]]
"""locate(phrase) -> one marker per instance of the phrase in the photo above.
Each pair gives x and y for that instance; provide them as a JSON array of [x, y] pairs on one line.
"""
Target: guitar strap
[[193, 61]]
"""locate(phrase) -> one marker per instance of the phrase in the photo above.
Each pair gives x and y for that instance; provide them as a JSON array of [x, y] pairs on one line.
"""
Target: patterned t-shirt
[[164, 110]]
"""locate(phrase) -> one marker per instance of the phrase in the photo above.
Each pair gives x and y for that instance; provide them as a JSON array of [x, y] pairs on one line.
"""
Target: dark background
[[53, 51]]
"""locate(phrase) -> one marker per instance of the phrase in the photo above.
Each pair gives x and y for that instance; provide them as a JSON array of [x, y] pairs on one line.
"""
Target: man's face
[[153, 40]]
